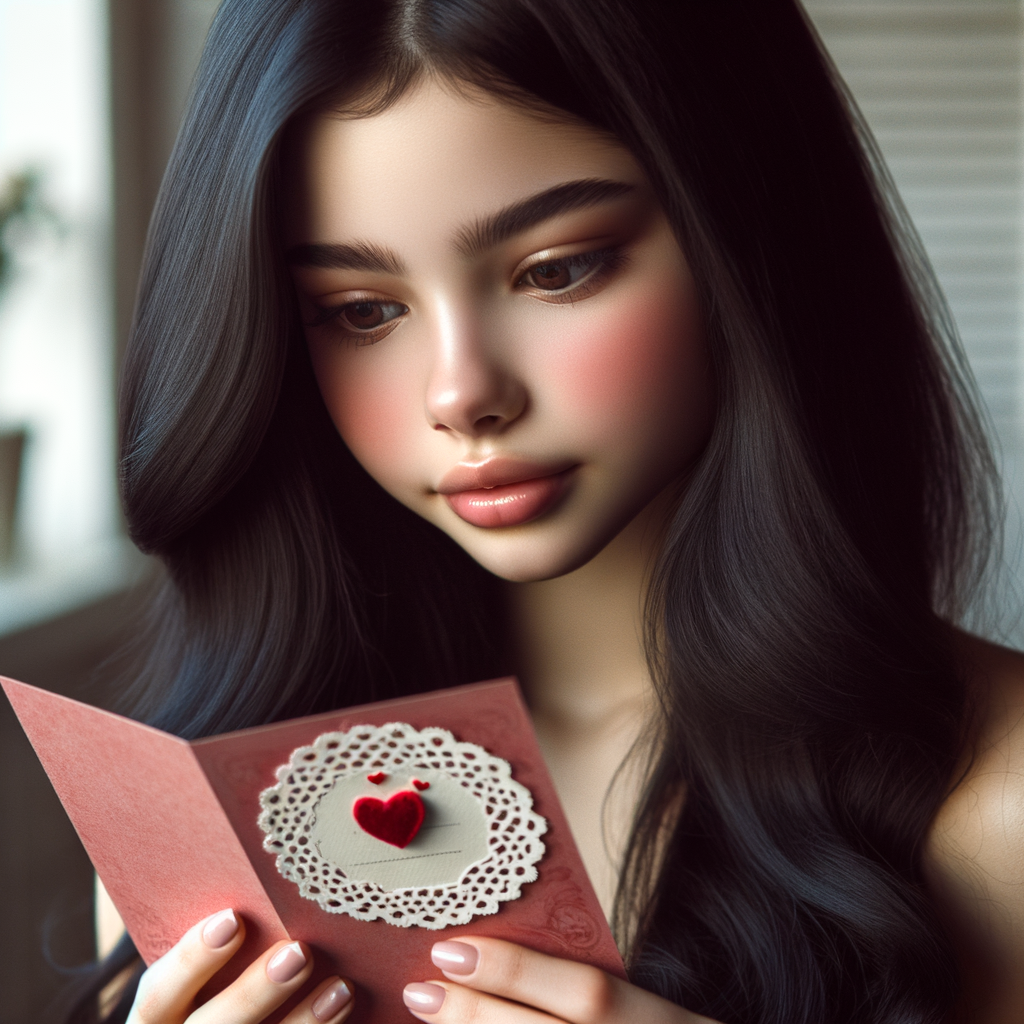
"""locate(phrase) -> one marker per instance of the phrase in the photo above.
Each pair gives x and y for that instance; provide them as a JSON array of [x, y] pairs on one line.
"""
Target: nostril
[[465, 412]]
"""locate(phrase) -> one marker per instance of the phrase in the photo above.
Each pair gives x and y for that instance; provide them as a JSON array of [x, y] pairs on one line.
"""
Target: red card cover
[[172, 829], [149, 820]]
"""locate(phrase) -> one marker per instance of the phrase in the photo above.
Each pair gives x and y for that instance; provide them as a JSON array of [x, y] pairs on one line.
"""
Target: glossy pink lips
[[504, 503]]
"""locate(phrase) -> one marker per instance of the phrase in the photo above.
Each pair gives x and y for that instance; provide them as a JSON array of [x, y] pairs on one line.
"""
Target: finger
[[443, 1002], [577, 993], [573, 992], [264, 985], [167, 989], [329, 1003]]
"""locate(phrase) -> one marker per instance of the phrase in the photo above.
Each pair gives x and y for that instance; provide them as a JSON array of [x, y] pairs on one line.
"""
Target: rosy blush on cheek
[[616, 366], [371, 415]]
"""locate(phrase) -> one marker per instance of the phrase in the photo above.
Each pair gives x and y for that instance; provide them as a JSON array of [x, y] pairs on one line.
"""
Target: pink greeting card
[[369, 833]]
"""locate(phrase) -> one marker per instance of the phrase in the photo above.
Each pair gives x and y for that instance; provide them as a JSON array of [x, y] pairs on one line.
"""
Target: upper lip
[[496, 472]]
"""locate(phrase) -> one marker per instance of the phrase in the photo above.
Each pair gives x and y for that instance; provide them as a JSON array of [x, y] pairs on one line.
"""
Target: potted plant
[[22, 209]]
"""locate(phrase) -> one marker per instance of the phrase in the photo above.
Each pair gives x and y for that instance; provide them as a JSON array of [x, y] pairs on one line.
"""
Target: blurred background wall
[[91, 92]]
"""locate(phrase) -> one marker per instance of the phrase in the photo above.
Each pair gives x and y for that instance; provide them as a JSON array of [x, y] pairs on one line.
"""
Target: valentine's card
[[369, 832]]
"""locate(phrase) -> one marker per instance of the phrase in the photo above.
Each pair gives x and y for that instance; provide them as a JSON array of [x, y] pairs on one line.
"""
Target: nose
[[471, 390]]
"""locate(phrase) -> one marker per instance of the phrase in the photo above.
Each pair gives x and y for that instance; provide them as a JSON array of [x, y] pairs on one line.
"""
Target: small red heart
[[377, 778], [420, 785], [395, 820]]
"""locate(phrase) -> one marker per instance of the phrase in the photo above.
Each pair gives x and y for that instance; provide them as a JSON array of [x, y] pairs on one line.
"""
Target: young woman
[[584, 339]]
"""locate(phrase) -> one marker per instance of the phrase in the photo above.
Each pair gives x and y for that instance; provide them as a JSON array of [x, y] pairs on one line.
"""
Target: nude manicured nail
[[423, 997], [220, 929], [455, 957], [330, 1002], [286, 963]]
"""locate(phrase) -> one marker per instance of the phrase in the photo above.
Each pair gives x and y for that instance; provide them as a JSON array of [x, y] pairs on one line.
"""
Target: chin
[[528, 570], [522, 555]]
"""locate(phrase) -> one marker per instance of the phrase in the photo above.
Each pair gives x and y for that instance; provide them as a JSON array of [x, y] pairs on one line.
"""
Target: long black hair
[[799, 623]]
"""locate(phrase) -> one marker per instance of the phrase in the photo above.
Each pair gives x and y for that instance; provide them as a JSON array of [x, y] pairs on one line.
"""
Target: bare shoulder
[[975, 851], [983, 818]]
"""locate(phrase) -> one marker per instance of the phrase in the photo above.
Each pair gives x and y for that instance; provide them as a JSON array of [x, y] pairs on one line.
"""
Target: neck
[[580, 636], [580, 640]]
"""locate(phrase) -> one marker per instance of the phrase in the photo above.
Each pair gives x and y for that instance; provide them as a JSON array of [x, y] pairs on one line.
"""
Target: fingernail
[[286, 963], [220, 929], [455, 957], [331, 1000], [423, 997]]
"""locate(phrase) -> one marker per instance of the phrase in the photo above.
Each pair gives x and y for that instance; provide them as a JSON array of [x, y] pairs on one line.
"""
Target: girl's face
[[501, 322]]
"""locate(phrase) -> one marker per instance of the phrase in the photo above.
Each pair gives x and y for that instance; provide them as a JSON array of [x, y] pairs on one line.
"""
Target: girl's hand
[[494, 982], [167, 991]]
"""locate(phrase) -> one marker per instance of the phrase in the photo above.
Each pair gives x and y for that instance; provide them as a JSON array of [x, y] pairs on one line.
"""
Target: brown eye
[[366, 316], [550, 276], [573, 277], [365, 322]]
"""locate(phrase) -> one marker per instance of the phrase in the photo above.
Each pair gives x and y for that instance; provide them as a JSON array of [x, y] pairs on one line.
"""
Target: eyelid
[[328, 304], [603, 263], [331, 316], [346, 297], [592, 246]]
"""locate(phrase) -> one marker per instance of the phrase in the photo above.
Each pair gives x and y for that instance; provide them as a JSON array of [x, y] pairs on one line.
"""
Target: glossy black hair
[[798, 625]]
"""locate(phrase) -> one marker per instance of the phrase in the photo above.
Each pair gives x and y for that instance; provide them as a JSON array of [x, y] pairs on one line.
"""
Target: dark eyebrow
[[517, 218], [483, 234], [353, 256]]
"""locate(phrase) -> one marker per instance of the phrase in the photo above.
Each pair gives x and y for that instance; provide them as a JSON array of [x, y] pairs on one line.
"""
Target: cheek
[[370, 409], [634, 362]]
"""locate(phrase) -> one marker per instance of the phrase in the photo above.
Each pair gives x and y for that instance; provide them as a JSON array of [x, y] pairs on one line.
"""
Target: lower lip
[[509, 504]]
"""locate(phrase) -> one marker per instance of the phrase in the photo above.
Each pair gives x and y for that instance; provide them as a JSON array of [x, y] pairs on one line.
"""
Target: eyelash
[[598, 264], [360, 337]]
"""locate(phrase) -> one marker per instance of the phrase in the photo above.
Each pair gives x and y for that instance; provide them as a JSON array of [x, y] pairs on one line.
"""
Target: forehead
[[437, 158]]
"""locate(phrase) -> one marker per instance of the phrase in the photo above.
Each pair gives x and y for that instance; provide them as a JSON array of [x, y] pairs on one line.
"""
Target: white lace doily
[[480, 841]]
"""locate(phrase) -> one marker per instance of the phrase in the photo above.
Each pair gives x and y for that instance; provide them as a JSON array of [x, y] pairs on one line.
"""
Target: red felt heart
[[420, 785], [395, 820], [377, 778]]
